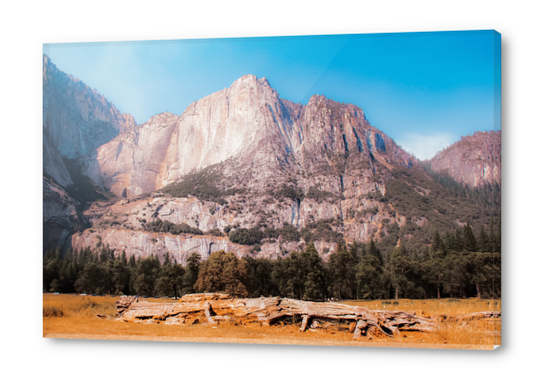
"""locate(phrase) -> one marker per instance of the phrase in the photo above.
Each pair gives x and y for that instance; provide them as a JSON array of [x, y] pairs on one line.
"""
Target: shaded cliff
[[76, 118]]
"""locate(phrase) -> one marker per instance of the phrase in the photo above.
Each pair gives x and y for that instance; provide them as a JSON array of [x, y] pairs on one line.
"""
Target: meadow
[[93, 317]]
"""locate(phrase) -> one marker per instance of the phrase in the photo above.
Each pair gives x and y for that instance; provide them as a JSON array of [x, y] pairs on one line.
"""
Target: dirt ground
[[74, 316]]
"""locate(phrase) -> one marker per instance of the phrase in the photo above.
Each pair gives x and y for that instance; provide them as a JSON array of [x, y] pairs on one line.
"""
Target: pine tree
[[260, 277], [90, 279], [497, 243], [132, 262], [52, 263], [459, 240], [356, 249], [399, 265], [373, 250], [484, 243], [469, 238], [437, 244], [145, 276], [369, 276], [121, 275], [451, 243], [170, 280], [341, 269], [191, 273], [313, 274]]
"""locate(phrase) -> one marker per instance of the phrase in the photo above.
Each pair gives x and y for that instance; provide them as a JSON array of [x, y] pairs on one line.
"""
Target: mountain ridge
[[243, 120], [239, 159]]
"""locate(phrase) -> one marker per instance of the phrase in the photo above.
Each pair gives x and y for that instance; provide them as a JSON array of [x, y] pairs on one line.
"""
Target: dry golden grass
[[74, 306], [432, 306], [79, 320], [484, 333]]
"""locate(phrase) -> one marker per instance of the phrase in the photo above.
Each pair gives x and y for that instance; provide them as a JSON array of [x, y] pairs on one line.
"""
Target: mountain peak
[[250, 78], [252, 81]]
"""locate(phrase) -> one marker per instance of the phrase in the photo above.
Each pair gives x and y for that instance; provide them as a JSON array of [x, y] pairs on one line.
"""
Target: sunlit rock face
[[247, 124], [475, 160], [253, 139], [257, 142]]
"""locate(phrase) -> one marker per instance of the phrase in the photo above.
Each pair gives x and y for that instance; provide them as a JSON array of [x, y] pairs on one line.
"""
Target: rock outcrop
[[121, 226], [61, 216], [53, 164], [143, 244], [77, 119], [475, 160]]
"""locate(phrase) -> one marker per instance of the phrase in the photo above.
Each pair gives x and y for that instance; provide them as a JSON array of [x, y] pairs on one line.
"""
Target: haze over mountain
[[239, 159]]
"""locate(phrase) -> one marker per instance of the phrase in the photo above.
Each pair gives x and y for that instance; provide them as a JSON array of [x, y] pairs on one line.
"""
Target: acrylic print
[[312, 190]]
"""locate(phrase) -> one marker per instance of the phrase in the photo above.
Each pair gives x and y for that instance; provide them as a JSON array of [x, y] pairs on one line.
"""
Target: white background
[[25, 26]]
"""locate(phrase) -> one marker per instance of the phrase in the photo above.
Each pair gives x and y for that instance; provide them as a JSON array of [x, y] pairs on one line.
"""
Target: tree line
[[458, 264], [103, 272]]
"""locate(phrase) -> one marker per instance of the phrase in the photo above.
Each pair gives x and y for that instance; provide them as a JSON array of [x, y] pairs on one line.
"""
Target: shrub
[[328, 235], [161, 226], [200, 184], [271, 233], [319, 196], [215, 232], [307, 235], [372, 210], [289, 233], [52, 312], [290, 193], [244, 236]]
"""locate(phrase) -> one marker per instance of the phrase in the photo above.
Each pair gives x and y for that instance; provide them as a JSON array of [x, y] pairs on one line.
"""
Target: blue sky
[[424, 90]]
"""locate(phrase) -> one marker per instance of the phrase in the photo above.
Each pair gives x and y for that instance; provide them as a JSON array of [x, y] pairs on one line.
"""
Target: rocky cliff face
[[239, 158], [61, 216], [475, 160], [77, 119], [143, 244], [258, 146], [247, 124], [53, 164]]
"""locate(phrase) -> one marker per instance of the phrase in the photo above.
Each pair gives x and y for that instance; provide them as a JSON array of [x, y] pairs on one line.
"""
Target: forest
[[457, 265]]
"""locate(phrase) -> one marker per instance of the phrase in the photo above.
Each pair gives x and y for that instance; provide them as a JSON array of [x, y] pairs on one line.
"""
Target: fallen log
[[214, 308]]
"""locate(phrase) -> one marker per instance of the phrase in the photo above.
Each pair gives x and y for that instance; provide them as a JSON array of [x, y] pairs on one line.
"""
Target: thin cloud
[[424, 146]]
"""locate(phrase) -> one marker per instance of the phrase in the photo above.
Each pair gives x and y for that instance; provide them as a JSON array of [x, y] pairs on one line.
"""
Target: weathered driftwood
[[214, 308]]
